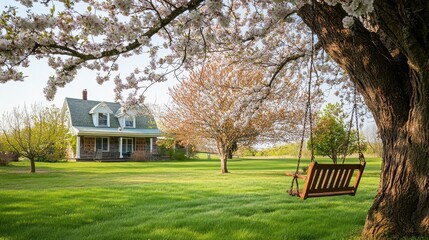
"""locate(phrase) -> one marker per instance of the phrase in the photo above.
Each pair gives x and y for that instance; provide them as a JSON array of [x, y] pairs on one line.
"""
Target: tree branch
[[163, 22], [290, 59]]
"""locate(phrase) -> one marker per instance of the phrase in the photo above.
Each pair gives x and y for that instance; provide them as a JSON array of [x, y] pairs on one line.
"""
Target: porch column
[[77, 147], [120, 148], [151, 145]]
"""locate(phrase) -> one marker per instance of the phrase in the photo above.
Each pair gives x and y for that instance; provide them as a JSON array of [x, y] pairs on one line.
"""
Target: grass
[[173, 200]]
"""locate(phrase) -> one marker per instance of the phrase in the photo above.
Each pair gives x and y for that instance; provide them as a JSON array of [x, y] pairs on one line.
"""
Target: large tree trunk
[[32, 165], [230, 155], [391, 71], [223, 163], [334, 158], [232, 149], [401, 207], [223, 155]]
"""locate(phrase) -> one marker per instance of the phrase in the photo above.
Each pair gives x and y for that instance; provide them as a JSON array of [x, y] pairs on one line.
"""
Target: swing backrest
[[331, 179]]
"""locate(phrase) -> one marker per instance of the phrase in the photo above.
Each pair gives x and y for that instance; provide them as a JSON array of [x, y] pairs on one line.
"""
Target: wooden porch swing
[[324, 180], [333, 179]]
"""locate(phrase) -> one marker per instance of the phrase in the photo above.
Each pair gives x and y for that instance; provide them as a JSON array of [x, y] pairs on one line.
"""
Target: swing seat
[[330, 180]]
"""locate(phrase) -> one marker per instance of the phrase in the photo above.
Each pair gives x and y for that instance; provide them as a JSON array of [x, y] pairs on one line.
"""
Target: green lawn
[[173, 200]]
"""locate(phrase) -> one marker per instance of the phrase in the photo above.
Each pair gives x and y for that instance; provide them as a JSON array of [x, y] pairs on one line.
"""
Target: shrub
[[6, 158], [246, 151], [260, 154], [168, 147], [141, 156], [289, 149], [54, 153], [179, 154], [4, 161]]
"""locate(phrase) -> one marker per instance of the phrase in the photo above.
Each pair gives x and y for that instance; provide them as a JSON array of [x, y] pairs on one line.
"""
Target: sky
[[30, 91]]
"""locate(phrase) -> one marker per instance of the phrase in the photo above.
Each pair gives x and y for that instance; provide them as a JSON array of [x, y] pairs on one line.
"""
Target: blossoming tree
[[206, 107], [38, 133], [382, 45]]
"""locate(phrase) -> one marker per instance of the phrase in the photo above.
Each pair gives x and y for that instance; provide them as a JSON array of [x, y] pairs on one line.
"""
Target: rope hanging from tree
[[307, 114], [354, 114], [327, 179]]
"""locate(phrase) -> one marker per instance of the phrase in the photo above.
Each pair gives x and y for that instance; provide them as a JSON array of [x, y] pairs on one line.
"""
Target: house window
[[102, 119], [127, 145], [140, 144], [88, 144], [129, 122], [102, 143]]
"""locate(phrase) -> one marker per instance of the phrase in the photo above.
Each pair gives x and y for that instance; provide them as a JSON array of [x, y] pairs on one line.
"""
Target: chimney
[[84, 94]]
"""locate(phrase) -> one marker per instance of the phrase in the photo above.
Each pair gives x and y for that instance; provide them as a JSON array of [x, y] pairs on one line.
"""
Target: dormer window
[[101, 115], [129, 122], [127, 118], [102, 119]]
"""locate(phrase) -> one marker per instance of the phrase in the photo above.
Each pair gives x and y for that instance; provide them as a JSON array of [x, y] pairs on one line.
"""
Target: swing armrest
[[295, 175]]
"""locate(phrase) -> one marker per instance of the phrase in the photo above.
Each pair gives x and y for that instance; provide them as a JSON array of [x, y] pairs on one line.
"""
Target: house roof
[[81, 119], [101, 106], [129, 132]]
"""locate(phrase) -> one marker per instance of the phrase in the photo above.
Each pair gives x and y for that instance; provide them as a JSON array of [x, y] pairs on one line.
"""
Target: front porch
[[101, 148], [114, 157]]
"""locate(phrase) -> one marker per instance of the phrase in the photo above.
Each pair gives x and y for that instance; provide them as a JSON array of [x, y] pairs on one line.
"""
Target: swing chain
[[361, 156], [355, 112], [295, 175], [307, 113]]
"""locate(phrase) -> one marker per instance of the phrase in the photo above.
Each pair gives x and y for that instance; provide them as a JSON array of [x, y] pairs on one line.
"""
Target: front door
[[127, 146]]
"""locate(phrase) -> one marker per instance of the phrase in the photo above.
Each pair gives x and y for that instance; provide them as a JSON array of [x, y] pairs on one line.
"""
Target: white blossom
[[27, 3], [4, 43], [143, 40], [257, 33], [348, 21], [358, 7], [123, 5]]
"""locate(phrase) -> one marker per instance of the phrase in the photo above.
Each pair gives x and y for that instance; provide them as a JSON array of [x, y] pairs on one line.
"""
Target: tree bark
[[32, 165], [334, 159], [401, 206], [223, 163], [230, 154], [223, 156], [394, 81]]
